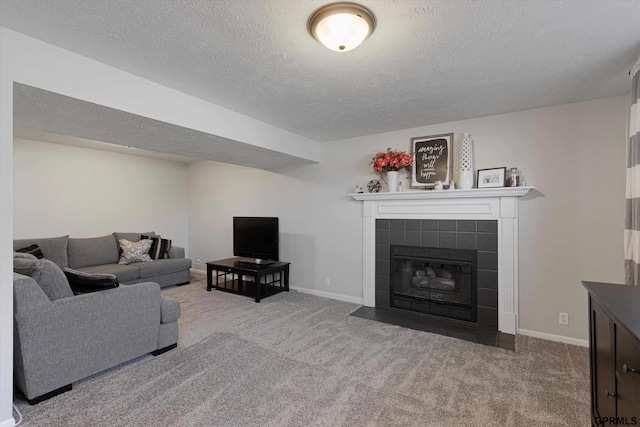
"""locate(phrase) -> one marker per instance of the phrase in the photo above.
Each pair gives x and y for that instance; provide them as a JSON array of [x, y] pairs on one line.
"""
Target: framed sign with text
[[432, 160]]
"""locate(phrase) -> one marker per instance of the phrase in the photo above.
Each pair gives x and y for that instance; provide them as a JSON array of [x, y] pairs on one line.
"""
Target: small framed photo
[[489, 178]]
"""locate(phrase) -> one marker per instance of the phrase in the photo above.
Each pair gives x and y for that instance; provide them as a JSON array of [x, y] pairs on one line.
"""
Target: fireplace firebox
[[435, 281]]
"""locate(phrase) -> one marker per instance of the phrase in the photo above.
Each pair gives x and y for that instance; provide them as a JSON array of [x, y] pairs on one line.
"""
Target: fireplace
[[420, 211], [435, 281]]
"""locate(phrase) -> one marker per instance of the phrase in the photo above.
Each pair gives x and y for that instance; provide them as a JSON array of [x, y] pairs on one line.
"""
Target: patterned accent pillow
[[134, 251], [84, 283]]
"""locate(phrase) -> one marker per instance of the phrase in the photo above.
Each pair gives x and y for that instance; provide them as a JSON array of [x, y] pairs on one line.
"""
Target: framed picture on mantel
[[490, 178], [432, 160]]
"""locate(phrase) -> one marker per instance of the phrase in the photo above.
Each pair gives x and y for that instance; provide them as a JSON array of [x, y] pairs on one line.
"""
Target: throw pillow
[[134, 251], [84, 283], [23, 265], [46, 274], [24, 256], [33, 250], [154, 251], [165, 245]]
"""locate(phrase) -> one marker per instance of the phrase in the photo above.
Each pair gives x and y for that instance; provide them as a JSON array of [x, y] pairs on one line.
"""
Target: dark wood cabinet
[[614, 338]]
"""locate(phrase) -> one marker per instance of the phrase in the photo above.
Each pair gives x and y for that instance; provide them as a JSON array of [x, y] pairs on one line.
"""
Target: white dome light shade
[[341, 26]]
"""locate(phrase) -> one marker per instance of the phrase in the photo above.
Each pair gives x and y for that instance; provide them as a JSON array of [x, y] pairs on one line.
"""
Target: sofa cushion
[[84, 283], [124, 273], [53, 248], [162, 266], [134, 251], [93, 251], [47, 275], [169, 309], [32, 250]]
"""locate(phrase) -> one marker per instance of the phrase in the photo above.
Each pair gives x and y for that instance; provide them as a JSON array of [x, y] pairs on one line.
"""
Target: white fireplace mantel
[[500, 204]]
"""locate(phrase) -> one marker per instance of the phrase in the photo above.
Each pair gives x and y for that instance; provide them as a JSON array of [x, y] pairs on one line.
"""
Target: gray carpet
[[301, 360]]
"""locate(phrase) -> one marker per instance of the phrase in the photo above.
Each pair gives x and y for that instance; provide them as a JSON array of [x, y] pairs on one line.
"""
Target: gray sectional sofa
[[60, 338], [99, 255]]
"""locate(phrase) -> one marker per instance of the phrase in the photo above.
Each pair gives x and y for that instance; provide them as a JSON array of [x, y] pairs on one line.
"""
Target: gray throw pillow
[[32, 250], [46, 274], [24, 256], [23, 265]]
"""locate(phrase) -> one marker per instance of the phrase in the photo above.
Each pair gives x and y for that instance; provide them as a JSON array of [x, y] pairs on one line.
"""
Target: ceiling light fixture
[[341, 26]]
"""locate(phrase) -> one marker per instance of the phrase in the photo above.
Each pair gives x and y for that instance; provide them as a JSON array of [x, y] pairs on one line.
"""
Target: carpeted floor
[[300, 360]]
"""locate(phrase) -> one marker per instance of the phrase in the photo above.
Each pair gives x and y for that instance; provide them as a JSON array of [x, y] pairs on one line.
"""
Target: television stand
[[268, 279]]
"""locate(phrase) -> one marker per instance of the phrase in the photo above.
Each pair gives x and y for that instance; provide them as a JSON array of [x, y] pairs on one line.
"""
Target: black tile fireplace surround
[[481, 236]]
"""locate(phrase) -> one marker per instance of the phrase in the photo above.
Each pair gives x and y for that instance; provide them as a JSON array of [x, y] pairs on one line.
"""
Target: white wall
[[61, 190], [6, 237], [570, 229]]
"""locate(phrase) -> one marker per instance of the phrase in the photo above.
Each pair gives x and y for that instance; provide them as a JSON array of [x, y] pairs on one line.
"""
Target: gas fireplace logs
[[433, 278]]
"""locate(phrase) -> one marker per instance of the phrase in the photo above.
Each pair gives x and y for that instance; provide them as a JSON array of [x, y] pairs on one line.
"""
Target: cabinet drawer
[[628, 355], [626, 407]]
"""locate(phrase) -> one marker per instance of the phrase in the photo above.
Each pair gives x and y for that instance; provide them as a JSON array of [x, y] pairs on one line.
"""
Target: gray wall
[[61, 190], [570, 229]]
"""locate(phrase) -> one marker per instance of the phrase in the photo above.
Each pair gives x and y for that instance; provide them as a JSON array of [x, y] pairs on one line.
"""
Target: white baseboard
[[330, 295], [552, 337], [8, 423]]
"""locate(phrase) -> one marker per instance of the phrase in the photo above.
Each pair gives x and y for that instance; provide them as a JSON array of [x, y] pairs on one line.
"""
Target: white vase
[[392, 181], [466, 163]]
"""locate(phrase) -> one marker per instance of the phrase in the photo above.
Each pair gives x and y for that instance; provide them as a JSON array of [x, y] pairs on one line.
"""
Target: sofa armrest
[[176, 252], [71, 338], [170, 310]]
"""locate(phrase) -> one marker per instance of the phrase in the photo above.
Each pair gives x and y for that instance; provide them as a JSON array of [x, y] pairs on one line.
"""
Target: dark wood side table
[[268, 279]]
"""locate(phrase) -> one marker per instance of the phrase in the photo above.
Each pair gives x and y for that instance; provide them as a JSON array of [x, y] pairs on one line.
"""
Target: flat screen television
[[257, 238]]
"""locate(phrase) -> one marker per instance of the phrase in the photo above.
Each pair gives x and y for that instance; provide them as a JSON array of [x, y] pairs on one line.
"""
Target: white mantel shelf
[[499, 204], [445, 194]]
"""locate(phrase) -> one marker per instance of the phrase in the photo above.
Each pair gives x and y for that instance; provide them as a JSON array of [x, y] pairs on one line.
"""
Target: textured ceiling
[[427, 61]]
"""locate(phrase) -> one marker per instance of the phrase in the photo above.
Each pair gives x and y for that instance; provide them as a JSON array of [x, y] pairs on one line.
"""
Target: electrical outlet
[[198, 262], [327, 282], [563, 319]]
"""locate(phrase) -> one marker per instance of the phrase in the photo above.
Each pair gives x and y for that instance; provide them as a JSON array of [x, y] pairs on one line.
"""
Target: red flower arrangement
[[391, 161]]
